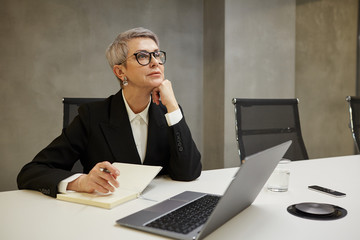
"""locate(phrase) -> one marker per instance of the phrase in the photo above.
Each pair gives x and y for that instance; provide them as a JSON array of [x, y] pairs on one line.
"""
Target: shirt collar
[[144, 114]]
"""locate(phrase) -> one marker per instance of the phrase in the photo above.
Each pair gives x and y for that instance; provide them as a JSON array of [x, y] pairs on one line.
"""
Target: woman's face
[[143, 77]]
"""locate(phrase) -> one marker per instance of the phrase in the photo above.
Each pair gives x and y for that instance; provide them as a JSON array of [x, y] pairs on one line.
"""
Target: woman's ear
[[117, 69]]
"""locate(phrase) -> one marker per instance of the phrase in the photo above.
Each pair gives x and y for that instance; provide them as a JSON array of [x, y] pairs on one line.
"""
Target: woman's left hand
[[165, 91]]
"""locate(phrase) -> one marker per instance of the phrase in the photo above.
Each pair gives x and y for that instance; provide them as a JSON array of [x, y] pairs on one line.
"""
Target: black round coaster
[[317, 211]]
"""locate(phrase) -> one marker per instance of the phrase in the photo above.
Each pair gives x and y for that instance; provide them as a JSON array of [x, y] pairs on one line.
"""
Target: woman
[[141, 124]]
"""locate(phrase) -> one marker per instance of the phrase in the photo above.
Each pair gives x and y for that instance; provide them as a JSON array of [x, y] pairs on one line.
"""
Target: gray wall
[[326, 34], [214, 83], [282, 49], [217, 50], [259, 57], [52, 49], [249, 52]]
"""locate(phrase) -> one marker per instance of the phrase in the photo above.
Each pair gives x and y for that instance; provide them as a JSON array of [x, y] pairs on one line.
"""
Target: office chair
[[354, 115], [71, 106], [264, 123]]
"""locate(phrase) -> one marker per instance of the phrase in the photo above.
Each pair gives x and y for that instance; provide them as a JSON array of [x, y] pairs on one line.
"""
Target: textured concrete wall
[[326, 33], [55, 49], [259, 57], [252, 48], [214, 83]]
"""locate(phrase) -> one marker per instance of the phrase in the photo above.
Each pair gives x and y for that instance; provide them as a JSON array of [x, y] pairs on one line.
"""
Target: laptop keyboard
[[188, 217]]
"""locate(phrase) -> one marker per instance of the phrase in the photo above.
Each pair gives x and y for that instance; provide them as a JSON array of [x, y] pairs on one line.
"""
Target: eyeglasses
[[144, 57]]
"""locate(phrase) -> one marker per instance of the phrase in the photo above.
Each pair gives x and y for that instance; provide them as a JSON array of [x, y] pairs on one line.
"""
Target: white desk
[[31, 215]]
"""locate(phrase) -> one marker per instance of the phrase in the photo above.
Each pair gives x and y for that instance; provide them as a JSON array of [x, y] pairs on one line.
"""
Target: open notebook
[[133, 180]]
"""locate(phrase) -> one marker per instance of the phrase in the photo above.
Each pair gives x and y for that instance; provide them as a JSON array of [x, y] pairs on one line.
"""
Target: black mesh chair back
[[354, 112], [264, 123], [71, 106]]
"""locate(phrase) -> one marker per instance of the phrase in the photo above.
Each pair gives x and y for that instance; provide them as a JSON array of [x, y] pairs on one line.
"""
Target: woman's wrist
[[75, 185], [172, 107]]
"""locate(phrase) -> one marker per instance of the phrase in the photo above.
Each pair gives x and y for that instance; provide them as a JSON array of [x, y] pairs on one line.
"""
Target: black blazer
[[102, 132]]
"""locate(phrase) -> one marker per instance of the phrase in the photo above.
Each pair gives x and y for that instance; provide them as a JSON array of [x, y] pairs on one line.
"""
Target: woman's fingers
[[102, 178], [165, 91], [103, 186], [156, 95]]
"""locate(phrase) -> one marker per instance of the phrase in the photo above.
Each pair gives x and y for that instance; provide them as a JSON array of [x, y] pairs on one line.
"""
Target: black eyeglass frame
[[150, 54]]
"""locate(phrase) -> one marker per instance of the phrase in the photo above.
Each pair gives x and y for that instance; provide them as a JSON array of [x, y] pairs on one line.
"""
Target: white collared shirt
[[139, 127]]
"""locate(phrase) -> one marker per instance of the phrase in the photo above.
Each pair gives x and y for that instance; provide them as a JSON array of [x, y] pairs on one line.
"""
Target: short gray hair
[[117, 51]]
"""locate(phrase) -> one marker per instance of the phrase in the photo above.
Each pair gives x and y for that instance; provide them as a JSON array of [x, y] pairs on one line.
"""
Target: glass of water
[[279, 179]]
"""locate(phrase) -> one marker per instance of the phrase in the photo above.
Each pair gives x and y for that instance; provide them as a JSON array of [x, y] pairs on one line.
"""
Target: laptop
[[178, 217]]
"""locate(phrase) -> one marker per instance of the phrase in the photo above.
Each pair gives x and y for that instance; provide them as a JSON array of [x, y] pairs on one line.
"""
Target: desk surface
[[30, 215]]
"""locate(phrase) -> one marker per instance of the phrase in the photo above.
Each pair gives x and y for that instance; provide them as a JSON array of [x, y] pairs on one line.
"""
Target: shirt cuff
[[63, 184], [173, 117]]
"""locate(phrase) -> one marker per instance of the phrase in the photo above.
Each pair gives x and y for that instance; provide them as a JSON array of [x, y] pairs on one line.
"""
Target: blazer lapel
[[118, 133], [156, 121]]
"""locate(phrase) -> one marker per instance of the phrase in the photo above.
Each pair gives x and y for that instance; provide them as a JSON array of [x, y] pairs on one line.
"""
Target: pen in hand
[[114, 176], [105, 170]]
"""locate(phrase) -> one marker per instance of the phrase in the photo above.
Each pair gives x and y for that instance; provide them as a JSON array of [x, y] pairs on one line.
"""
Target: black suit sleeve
[[48, 168], [185, 164], [54, 163]]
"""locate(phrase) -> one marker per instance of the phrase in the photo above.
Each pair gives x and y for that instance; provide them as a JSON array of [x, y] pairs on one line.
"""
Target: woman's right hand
[[97, 179], [166, 93]]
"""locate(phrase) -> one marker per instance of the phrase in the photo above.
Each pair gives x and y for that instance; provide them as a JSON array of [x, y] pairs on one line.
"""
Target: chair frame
[[78, 101], [351, 99], [281, 130]]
